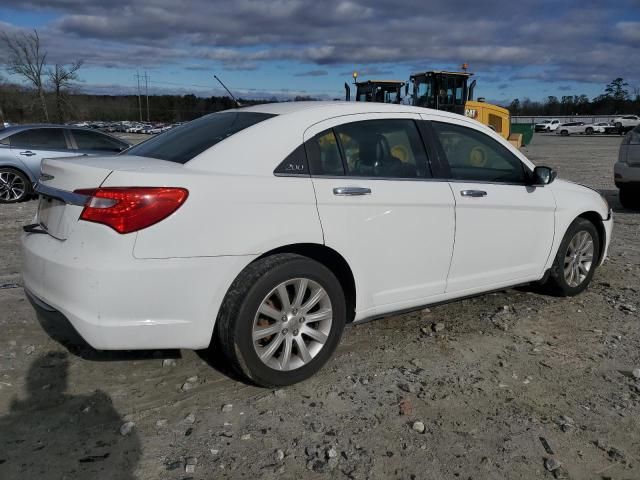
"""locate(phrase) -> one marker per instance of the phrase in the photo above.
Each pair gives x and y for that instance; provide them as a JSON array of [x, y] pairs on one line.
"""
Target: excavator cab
[[379, 91], [442, 90]]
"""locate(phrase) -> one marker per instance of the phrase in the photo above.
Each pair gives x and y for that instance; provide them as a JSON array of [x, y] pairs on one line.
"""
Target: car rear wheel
[[630, 198], [14, 186], [589, 131], [564, 133], [576, 260], [281, 320]]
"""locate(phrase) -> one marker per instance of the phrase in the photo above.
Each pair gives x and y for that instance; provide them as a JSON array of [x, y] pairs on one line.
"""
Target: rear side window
[[184, 143], [96, 142], [382, 148], [324, 154], [372, 148], [40, 139]]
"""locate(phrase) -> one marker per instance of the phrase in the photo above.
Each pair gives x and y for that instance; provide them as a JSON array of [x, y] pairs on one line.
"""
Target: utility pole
[[137, 75], [146, 88]]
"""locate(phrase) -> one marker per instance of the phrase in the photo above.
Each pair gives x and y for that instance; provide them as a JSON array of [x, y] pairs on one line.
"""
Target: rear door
[[31, 146], [504, 226], [380, 208]]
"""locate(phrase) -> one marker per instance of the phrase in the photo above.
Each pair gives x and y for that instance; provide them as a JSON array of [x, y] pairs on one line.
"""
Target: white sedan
[[262, 231]]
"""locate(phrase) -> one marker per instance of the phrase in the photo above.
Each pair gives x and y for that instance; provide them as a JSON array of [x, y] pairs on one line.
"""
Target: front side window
[[474, 156], [40, 139], [184, 143], [382, 148]]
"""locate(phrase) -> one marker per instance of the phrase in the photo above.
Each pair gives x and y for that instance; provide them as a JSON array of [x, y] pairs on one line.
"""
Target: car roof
[[331, 109], [18, 128]]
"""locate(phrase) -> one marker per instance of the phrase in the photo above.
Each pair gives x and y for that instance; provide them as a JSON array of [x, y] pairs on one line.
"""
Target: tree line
[[617, 99]]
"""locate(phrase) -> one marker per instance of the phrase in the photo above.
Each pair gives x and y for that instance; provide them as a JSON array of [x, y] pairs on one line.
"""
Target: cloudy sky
[[287, 47]]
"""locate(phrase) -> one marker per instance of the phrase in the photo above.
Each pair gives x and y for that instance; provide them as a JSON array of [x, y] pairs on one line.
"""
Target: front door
[[380, 209], [504, 226]]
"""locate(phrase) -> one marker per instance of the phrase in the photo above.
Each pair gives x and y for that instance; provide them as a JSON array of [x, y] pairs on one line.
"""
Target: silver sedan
[[23, 147]]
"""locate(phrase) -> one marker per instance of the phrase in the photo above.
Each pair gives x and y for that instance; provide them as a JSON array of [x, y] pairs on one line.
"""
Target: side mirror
[[543, 175]]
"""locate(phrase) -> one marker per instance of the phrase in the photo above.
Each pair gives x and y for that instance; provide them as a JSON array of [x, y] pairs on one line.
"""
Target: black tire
[[589, 131], [557, 283], [235, 319], [28, 188], [564, 133], [630, 198], [618, 126]]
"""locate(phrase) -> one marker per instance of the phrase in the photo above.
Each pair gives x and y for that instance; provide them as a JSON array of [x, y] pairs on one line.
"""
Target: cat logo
[[471, 112]]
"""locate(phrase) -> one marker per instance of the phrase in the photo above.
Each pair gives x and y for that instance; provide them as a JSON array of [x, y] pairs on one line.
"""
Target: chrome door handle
[[473, 193], [28, 153], [351, 191]]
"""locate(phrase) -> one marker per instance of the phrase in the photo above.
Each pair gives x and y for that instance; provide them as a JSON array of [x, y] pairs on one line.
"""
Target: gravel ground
[[508, 385]]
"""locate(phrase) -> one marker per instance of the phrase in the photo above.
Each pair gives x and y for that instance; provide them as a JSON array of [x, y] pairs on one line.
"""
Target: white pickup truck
[[547, 125]]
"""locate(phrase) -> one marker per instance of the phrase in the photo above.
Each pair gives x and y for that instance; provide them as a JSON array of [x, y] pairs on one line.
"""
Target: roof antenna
[[238, 104]]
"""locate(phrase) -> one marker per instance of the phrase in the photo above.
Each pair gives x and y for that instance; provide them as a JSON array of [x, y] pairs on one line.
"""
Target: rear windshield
[[183, 143]]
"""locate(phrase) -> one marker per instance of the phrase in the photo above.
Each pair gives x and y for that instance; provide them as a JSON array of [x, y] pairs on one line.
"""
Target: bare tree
[[26, 59], [61, 77]]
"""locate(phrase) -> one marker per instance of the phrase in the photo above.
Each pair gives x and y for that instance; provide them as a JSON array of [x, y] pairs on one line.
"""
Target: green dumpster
[[526, 129]]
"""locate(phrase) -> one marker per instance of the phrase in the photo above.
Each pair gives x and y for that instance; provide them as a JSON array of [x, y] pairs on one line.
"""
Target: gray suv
[[23, 147], [627, 170]]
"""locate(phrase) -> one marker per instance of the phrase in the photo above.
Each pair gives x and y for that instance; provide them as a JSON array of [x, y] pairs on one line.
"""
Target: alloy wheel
[[292, 324], [578, 258], [12, 186]]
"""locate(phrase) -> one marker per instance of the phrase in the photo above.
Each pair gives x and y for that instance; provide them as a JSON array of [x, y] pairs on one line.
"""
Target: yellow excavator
[[438, 89]]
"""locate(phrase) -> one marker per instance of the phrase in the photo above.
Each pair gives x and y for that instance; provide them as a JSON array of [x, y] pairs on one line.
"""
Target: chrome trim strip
[[70, 198]]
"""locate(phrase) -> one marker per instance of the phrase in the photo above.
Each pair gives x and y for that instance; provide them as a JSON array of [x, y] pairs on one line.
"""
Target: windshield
[[184, 143]]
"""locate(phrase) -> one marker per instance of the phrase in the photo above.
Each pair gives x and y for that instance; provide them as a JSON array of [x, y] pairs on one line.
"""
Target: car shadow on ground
[[58, 328], [613, 197], [51, 433]]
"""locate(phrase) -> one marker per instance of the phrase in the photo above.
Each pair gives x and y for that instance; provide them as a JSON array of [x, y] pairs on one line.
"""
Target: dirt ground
[[503, 386]]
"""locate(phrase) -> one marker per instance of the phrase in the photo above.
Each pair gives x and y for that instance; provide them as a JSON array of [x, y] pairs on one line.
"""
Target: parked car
[[215, 234], [627, 170], [547, 125], [626, 122], [23, 147], [572, 128], [604, 127]]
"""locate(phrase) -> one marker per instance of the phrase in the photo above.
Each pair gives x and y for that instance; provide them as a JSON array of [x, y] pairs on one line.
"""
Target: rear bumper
[[117, 302], [625, 174]]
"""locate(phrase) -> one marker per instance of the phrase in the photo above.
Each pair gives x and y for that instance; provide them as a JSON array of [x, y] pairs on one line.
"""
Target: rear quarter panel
[[227, 214]]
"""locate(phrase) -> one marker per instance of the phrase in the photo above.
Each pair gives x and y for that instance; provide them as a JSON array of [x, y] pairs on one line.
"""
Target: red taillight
[[129, 209]]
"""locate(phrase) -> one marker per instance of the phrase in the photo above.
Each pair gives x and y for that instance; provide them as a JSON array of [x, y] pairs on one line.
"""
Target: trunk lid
[[59, 208]]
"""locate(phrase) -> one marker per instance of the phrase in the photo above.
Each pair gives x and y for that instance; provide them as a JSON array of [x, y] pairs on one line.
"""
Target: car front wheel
[[281, 320], [576, 260], [564, 133]]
